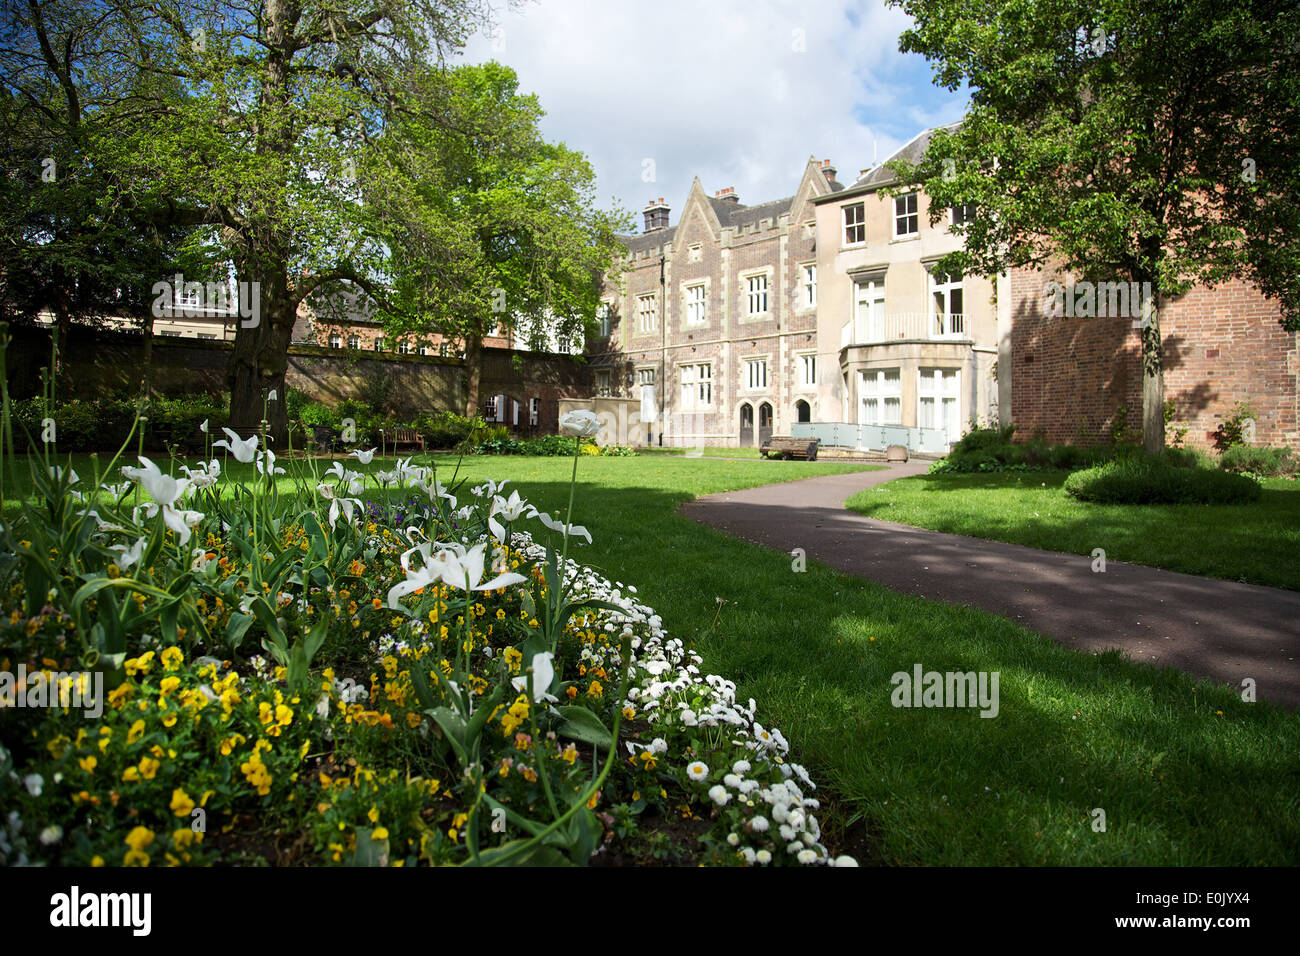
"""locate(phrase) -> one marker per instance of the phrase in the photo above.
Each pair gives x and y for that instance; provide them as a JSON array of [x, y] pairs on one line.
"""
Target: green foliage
[[1232, 430], [446, 429], [1260, 460], [103, 425], [499, 441], [490, 227], [1151, 480], [991, 449]]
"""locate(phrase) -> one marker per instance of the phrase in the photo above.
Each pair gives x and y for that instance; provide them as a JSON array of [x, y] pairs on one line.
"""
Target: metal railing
[[872, 437], [903, 326]]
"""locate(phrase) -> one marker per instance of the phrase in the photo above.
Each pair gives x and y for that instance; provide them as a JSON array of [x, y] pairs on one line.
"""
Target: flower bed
[[314, 678]]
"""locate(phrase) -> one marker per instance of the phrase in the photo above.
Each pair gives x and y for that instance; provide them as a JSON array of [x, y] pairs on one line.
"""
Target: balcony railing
[[872, 437], [903, 326]]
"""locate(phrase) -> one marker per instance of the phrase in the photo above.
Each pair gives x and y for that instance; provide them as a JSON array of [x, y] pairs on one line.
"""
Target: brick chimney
[[728, 195], [828, 169], [656, 215]]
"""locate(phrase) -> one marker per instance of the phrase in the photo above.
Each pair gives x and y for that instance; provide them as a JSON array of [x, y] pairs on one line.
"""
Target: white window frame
[[858, 227], [697, 304], [755, 295], [378, 343], [925, 390], [872, 327], [880, 396], [603, 387], [941, 324], [697, 385], [807, 369], [534, 410], [404, 348], [647, 313], [756, 374], [910, 216], [808, 285], [335, 341], [354, 342], [646, 375], [606, 317], [966, 216]]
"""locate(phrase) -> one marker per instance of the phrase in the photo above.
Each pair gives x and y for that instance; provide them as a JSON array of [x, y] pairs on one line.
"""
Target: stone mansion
[[826, 307], [742, 320]]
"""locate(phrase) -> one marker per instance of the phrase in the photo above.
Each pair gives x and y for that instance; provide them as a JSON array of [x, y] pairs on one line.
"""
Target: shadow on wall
[[1072, 376]]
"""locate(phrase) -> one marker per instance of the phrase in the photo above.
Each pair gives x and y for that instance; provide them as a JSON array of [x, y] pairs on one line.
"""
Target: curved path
[[1222, 630]]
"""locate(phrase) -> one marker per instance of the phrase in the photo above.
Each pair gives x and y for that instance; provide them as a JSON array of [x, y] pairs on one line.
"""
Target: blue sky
[[737, 92]]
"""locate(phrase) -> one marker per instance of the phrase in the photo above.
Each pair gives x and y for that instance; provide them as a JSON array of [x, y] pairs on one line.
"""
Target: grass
[[748, 451], [1255, 543], [1186, 773]]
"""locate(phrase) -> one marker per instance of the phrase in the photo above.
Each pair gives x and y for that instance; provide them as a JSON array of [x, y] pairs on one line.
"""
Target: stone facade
[[714, 313], [899, 343]]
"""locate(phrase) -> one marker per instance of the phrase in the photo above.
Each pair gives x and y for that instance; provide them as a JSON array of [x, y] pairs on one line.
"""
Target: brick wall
[[1070, 377], [97, 363]]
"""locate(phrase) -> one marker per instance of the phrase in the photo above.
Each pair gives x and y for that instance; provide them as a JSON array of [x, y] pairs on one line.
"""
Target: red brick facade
[[1070, 376]]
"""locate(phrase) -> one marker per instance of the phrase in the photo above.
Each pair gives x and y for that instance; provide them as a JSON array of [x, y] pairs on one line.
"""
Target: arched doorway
[[746, 425], [764, 423], [802, 413]]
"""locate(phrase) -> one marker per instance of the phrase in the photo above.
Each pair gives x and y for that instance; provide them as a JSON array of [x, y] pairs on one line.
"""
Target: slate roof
[[729, 213], [911, 152]]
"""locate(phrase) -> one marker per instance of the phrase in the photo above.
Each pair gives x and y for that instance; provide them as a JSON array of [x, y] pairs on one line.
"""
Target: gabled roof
[[881, 175], [729, 215]]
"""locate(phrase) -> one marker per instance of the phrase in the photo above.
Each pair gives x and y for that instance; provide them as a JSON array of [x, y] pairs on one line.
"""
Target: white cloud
[[738, 92]]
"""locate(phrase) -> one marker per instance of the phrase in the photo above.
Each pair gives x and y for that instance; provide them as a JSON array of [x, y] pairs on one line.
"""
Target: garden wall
[[98, 363], [1070, 376]]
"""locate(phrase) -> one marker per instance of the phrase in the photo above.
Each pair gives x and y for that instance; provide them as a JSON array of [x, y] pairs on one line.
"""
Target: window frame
[[859, 227], [913, 215], [647, 319]]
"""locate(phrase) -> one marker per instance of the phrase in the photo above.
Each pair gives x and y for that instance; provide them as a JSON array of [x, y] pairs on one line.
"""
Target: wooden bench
[[788, 447], [401, 436]]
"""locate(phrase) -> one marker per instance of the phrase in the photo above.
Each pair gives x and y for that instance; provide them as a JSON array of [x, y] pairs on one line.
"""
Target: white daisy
[[697, 770]]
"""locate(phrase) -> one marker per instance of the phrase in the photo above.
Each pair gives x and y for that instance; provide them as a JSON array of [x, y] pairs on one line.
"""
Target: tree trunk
[[258, 363], [145, 379], [1153, 380], [473, 372]]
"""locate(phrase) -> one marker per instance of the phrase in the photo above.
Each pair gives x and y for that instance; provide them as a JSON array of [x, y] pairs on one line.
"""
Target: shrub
[[1265, 460], [1187, 458], [1232, 430], [102, 425], [446, 429], [1153, 480], [991, 449]]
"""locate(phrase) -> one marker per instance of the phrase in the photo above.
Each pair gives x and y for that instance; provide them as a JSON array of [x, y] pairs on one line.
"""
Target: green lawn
[[1256, 543], [710, 451], [1186, 773]]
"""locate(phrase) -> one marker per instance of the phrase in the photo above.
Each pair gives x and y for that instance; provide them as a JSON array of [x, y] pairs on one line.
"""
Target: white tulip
[[581, 422], [243, 449]]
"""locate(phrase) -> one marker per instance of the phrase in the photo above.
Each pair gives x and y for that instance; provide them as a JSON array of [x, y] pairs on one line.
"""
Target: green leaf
[[582, 725], [370, 852], [236, 627], [514, 854]]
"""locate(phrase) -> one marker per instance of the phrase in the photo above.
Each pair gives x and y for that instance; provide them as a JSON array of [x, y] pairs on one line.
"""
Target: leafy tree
[[1131, 140], [81, 237], [489, 225]]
